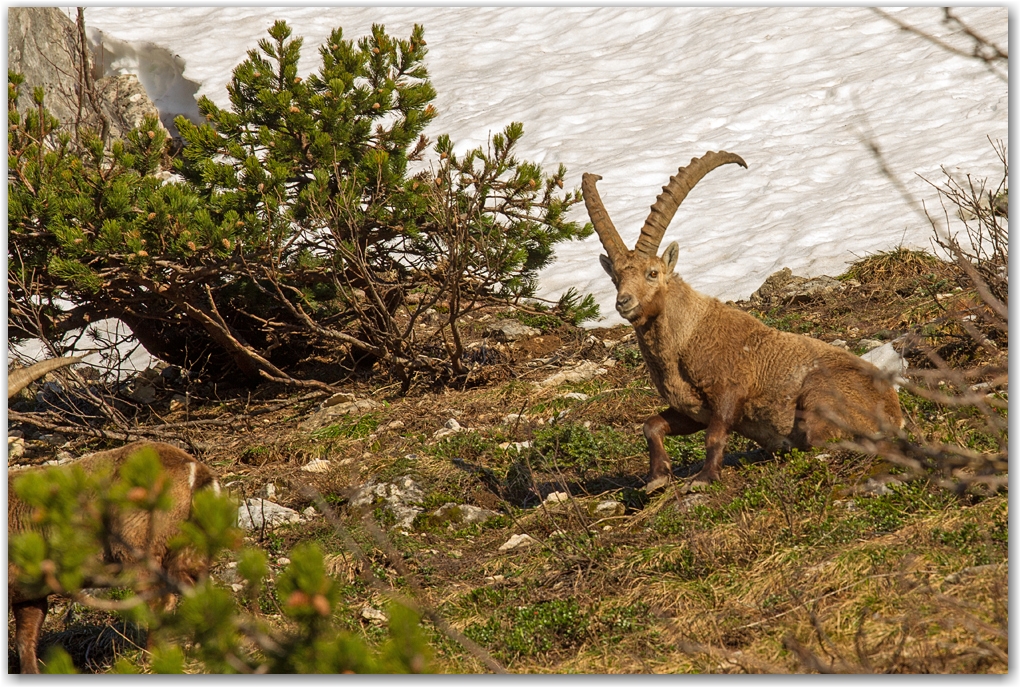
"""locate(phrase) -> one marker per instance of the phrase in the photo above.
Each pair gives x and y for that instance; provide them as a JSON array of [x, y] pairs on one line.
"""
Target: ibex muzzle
[[719, 368]]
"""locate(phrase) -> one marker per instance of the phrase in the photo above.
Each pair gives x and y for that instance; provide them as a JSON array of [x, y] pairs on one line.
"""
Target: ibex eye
[[653, 274]]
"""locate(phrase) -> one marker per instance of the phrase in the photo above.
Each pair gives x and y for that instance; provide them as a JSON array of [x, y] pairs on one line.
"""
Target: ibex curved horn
[[673, 194], [610, 238], [19, 379]]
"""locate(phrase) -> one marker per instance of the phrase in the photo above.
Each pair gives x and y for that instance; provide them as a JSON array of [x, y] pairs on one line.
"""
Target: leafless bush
[[965, 41]]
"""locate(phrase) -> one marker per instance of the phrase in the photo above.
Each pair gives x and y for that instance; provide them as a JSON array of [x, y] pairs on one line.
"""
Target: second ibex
[[719, 368]]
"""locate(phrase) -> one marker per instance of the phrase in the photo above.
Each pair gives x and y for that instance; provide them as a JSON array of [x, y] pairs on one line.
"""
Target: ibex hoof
[[695, 484], [657, 484]]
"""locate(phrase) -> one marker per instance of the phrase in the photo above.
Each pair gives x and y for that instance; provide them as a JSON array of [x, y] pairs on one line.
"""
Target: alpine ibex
[[719, 368], [130, 535]]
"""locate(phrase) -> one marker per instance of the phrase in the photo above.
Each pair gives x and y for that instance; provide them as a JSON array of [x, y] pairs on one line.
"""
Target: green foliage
[[58, 662], [209, 631], [543, 321], [576, 309], [576, 446], [629, 356], [298, 222], [357, 427], [538, 628]]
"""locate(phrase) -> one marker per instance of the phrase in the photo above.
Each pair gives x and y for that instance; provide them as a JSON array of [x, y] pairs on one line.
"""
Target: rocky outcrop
[[42, 44], [784, 287]]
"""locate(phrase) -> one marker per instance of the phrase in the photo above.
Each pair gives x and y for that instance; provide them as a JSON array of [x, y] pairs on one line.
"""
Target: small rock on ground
[[317, 465], [608, 508], [511, 330], [332, 409], [463, 514], [888, 360], [518, 541], [254, 513], [578, 373]]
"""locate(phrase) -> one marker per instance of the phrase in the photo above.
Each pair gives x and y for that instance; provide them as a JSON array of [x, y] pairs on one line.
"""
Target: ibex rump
[[719, 368], [130, 534]]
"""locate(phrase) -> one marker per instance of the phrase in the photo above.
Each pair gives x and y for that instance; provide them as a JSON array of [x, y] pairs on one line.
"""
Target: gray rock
[[518, 541], [451, 427], [139, 390], [15, 448], [887, 359], [511, 330], [124, 100], [869, 344], [462, 514], [578, 373], [557, 497], [334, 408], [52, 439], [783, 287], [402, 497], [373, 615], [255, 513], [42, 45], [608, 508]]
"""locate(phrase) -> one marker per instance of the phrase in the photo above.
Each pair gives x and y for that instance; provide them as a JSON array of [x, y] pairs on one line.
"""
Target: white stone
[[373, 614], [518, 541], [578, 373], [399, 497], [557, 497], [463, 514], [254, 513], [609, 508], [576, 396], [888, 360], [451, 427], [317, 465], [283, 560]]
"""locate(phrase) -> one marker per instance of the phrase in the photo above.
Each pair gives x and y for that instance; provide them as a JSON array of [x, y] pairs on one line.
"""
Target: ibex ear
[[607, 264], [670, 255]]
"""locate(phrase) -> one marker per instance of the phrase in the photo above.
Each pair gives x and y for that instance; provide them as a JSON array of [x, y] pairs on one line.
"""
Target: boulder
[[42, 45], [784, 287], [255, 513]]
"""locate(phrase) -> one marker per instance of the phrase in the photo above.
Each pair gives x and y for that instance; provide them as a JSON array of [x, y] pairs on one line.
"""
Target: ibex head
[[640, 275]]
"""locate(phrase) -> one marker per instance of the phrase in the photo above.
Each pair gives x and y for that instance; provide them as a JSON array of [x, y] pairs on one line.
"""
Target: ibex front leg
[[724, 417], [667, 423]]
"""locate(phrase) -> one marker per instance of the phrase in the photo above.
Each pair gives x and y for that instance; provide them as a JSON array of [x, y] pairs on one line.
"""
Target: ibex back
[[719, 368]]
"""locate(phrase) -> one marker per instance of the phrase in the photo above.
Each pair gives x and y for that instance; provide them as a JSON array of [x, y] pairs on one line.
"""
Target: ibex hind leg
[[839, 407], [28, 622], [669, 422]]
